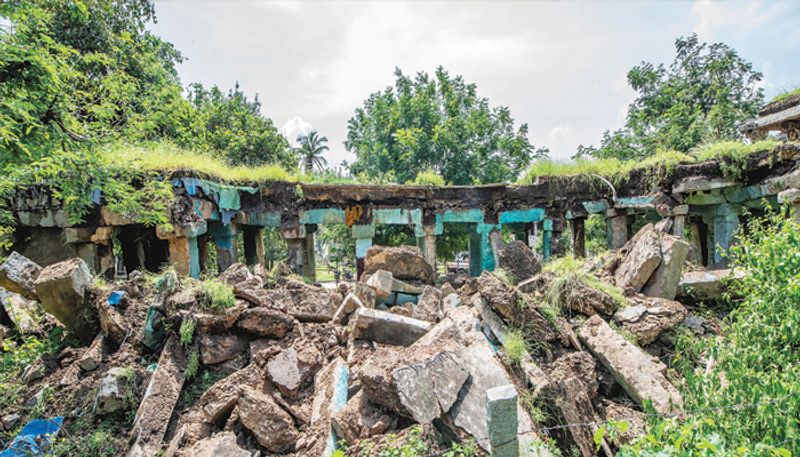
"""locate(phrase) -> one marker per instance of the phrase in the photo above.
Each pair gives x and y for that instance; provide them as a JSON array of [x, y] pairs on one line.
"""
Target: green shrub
[[186, 331], [514, 346], [99, 443], [192, 363], [217, 295]]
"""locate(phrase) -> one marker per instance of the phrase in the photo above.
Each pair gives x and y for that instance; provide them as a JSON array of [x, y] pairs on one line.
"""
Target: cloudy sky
[[559, 66]]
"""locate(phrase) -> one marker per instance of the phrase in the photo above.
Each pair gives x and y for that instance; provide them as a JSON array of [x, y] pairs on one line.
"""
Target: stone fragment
[[640, 263], [10, 421], [114, 389], [650, 318], [218, 348], [61, 288], [501, 415], [450, 301], [236, 274], [18, 275], [360, 419], [422, 386], [222, 444], [93, 356], [310, 303], [404, 262], [272, 426], [706, 285], [634, 419], [664, 281], [33, 372], [365, 293], [218, 401], [382, 281], [641, 375], [429, 306], [24, 314], [291, 368], [112, 323], [501, 296], [265, 322], [519, 260], [350, 303], [387, 328]]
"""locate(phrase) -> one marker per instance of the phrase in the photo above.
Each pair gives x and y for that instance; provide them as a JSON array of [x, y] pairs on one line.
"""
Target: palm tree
[[311, 148]]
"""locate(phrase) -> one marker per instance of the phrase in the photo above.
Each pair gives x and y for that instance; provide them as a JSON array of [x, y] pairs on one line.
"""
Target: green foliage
[[186, 331], [429, 177], [192, 363], [338, 245], [748, 403], [436, 123], [16, 355], [514, 346], [98, 443], [197, 385], [569, 272], [412, 444], [698, 98], [504, 276], [217, 295]]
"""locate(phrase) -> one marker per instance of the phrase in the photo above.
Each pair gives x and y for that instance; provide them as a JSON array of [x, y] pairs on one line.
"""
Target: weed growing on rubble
[[217, 295], [186, 331], [569, 272], [514, 346], [412, 444], [504, 276], [192, 363]]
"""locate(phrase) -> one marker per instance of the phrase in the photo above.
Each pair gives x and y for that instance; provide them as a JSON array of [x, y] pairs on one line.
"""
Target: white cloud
[[295, 127]]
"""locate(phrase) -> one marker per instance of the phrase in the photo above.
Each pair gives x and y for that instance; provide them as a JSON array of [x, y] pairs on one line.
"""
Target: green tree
[[698, 98], [436, 123], [312, 146]]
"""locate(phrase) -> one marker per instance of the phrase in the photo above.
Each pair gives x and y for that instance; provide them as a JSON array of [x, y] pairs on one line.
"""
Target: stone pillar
[[184, 254], [618, 222], [557, 247], [310, 259], [105, 257], [680, 213], [497, 244], [547, 238], [501, 421], [363, 235], [225, 243], [254, 245], [578, 237], [726, 223], [475, 261], [296, 245], [428, 244], [533, 233]]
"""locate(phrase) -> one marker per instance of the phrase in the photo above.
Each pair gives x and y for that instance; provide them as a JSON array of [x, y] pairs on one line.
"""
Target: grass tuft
[[218, 296], [514, 346], [786, 94]]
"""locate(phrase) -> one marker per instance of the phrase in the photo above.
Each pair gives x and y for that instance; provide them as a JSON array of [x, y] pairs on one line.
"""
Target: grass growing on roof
[[166, 157], [786, 94]]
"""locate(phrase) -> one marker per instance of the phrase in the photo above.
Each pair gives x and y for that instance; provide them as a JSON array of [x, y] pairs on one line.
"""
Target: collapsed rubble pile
[[290, 368]]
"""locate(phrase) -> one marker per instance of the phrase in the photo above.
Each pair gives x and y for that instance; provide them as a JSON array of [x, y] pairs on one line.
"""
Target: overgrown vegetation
[[786, 94], [412, 444], [748, 403], [568, 272], [15, 357], [216, 295], [514, 347]]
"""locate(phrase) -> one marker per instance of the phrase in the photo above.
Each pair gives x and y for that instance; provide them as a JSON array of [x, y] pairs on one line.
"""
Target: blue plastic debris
[[115, 298], [152, 367], [35, 438]]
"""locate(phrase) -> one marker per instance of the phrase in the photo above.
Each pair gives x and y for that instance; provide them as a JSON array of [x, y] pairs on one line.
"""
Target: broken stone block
[[310, 303], [220, 348], [61, 288], [235, 274], [649, 318], [24, 314], [290, 369], [404, 262], [360, 419], [501, 414], [272, 426], [112, 323], [330, 396], [640, 263], [348, 306], [641, 375], [664, 281], [365, 293], [93, 356], [706, 285], [265, 322], [219, 400], [10, 421], [519, 260], [18, 275], [222, 444], [114, 389], [420, 385], [382, 281], [159, 399], [635, 420], [501, 296], [387, 328], [33, 372], [429, 306]]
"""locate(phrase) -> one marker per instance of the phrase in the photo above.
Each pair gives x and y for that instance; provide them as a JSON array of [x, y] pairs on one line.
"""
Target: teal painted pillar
[[296, 246], [224, 236], [487, 253], [726, 224], [363, 235], [547, 238], [184, 254], [475, 254]]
